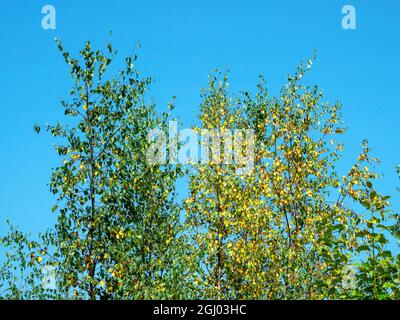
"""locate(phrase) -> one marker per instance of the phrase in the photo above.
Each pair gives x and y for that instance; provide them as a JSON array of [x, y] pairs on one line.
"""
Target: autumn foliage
[[292, 228]]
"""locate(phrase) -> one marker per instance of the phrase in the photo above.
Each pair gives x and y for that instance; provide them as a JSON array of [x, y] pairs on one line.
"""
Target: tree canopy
[[288, 227]]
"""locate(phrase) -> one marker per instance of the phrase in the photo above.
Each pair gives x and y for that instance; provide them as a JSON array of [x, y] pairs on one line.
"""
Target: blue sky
[[182, 42]]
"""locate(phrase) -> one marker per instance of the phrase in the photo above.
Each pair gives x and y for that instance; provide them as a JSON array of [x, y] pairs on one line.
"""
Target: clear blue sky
[[182, 41]]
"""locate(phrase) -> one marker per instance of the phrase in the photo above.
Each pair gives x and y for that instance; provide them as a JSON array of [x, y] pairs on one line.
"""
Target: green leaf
[[37, 128], [363, 248]]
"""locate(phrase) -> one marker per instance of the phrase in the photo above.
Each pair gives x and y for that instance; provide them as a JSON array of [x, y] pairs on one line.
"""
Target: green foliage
[[21, 275], [117, 234], [275, 233]]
